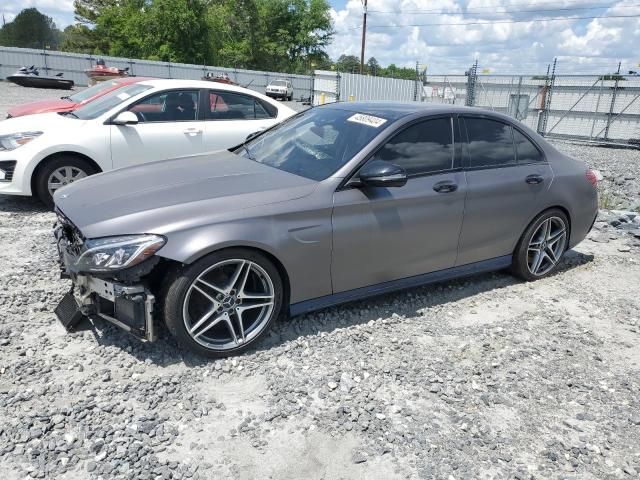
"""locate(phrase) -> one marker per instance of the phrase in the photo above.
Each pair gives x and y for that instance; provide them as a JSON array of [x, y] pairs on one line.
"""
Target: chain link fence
[[593, 108]]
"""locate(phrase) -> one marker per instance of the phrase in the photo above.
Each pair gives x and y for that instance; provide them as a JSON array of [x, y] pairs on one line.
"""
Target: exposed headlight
[[114, 253], [15, 140]]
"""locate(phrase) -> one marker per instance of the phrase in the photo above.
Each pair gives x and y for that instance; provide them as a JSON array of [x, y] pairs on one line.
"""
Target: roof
[[397, 110], [181, 83]]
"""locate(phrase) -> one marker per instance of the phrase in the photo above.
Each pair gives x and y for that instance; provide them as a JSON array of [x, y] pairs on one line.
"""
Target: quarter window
[[235, 106], [490, 143], [526, 151], [424, 147], [174, 106]]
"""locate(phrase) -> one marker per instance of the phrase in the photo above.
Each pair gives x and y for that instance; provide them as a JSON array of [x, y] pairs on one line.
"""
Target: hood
[[53, 105], [174, 195], [44, 122]]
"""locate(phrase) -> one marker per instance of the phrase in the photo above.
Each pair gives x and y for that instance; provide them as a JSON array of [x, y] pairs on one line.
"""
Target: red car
[[67, 104]]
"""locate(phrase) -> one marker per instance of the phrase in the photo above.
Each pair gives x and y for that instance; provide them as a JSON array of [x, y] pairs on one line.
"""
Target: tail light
[[592, 177]]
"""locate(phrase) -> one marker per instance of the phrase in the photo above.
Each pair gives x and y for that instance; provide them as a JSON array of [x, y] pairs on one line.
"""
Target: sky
[[433, 33]]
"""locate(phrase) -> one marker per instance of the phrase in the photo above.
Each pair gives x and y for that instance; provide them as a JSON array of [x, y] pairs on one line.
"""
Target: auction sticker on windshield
[[368, 120]]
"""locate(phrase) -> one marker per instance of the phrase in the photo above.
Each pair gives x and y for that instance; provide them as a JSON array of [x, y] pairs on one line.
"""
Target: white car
[[280, 89], [142, 122]]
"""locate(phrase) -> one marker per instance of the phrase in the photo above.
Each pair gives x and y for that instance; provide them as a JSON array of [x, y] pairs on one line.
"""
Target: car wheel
[[224, 303], [59, 172], [542, 245], [290, 97]]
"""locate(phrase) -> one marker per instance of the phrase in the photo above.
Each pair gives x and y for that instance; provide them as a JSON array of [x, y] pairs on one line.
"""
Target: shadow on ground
[[165, 351]]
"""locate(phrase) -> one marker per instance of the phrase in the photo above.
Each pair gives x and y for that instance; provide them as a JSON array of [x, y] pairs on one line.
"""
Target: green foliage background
[[275, 35]]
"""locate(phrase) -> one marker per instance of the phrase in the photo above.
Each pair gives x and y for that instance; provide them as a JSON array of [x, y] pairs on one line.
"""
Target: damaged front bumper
[[128, 306]]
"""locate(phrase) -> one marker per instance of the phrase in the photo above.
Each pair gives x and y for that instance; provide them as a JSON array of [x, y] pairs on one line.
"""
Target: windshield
[[93, 91], [313, 144], [108, 101], [279, 84]]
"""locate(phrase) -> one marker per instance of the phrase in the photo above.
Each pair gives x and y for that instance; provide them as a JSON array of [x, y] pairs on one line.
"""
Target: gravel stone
[[483, 377]]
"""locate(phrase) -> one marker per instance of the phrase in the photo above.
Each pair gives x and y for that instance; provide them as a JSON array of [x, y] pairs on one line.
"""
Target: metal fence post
[[518, 98], [547, 104], [613, 103], [471, 84], [44, 55], [595, 112]]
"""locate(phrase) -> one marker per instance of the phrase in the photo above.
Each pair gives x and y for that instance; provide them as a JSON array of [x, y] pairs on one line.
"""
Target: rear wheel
[[542, 245], [224, 303], [59, 172]]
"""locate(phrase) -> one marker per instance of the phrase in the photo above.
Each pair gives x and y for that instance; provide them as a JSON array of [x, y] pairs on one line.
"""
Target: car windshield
[[279, 84], [93, 91], [110, 100], [315, 143]]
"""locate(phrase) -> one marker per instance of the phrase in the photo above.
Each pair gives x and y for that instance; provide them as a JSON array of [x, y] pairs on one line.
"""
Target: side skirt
[[484, 266]]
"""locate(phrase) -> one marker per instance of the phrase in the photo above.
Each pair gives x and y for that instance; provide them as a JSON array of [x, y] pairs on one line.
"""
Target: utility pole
[[364, 33]]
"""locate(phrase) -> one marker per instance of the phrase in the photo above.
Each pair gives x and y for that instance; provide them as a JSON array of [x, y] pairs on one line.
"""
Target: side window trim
[[409, 125], [543, 157], [197, 91], [467, 163], [256, 101]]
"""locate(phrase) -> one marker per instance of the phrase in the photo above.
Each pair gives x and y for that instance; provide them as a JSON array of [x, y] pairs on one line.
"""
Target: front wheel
[[542, 245], [224, 303], [59, 172]]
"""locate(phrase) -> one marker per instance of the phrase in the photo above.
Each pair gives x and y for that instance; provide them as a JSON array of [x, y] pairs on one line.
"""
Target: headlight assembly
[[15, 140], [115, 253]]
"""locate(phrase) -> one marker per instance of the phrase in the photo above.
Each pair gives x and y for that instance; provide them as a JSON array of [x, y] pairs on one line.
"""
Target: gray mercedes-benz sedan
[[337, 203]]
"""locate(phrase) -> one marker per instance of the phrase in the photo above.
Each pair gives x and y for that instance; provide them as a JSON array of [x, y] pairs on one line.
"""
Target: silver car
[[337, 203]]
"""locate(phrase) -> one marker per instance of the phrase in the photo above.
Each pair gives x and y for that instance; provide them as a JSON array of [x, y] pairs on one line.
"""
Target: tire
[[205, 320], [540, 250], [79, 168], [290, 97]]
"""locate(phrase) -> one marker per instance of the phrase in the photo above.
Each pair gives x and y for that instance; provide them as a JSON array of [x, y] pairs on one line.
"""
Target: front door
[[388, 233], [507, 177], [169, 126]]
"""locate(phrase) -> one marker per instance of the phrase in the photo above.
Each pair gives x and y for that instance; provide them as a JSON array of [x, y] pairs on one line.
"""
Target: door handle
[[445, 186], [534, 179], [192, 131]]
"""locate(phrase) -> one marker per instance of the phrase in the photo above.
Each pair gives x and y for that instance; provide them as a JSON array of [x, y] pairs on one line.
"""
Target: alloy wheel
[[63, 176], [228, 304], [546, 246]]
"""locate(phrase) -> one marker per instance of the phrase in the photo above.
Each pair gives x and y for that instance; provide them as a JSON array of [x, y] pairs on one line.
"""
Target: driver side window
[[173, 106], [422, 148]]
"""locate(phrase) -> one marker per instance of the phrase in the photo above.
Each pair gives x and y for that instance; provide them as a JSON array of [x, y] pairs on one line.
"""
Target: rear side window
[[490, 143], [236, 106], [423, 147], [526, 151]]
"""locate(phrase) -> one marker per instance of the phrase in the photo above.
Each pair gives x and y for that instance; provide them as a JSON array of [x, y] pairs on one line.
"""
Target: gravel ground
[[486, 377]]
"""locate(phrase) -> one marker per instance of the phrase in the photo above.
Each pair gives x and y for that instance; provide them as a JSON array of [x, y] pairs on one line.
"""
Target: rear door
[[388, 233], [170, 125], [231, 117], [507, 177]]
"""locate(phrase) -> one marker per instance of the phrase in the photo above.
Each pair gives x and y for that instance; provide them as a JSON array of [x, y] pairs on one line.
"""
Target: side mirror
[[378, 173], [125, 118]]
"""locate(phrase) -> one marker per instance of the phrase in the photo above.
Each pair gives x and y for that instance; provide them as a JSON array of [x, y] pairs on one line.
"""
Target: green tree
[[77, 38], [348, 63], [373, 67], [30, 29]]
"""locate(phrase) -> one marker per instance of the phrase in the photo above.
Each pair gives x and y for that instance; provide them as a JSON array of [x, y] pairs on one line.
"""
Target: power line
[[515, 4], [493, 22], [440, 12]]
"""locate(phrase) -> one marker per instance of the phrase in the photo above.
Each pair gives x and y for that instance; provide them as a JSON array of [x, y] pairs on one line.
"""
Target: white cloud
[[582, 46]]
